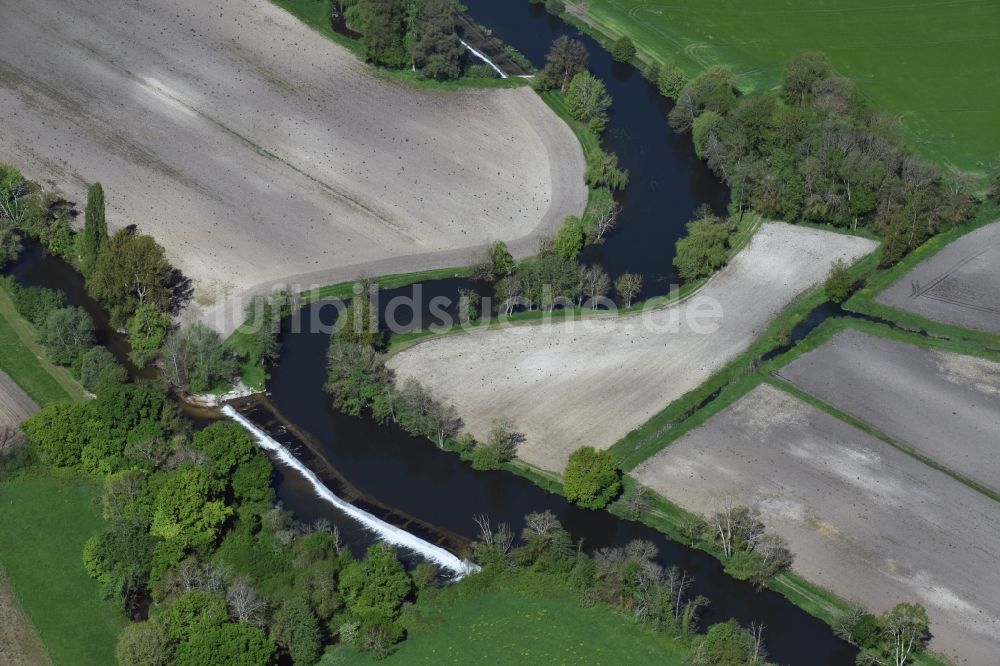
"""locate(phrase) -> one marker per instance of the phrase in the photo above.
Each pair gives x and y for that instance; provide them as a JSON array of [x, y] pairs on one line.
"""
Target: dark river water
[[407, 480]]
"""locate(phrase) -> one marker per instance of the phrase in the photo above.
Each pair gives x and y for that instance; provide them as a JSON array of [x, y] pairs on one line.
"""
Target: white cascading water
[[385, 531], [482, 56]]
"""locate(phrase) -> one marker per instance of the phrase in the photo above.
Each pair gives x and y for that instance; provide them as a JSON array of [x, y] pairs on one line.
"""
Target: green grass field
[[928, 61], [23, 359], [45, 518], [507, 627]]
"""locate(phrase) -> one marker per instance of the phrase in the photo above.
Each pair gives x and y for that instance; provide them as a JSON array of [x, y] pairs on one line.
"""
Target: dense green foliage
[[588, 101], [705, 249], [817, 153], [937, 89], [566, 58], [436, 51], [196, 360], [623, 50], [131, 270], [839, 282], [592, 479], [95, 229]]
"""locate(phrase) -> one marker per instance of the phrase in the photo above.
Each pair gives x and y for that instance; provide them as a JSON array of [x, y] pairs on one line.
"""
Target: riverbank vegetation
[[816, 153], [916, 80]]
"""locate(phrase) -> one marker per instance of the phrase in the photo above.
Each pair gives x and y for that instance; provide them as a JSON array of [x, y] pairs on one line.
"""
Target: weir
[[384, 531], [482, 56]]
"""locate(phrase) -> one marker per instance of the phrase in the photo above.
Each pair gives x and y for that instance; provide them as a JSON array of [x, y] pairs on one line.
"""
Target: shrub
[[99, 367], [66, 334], [838, 283], [623, 49], [588, 101], [33, 303], [704, 250], [591, 479]]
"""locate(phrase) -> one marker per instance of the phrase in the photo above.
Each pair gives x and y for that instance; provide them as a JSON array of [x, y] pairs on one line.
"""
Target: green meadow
[[932, 63]]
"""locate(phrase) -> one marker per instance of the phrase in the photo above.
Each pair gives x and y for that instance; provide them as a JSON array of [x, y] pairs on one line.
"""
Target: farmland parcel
[[926, 61], [944, 405], [959, 285], [569, 384], [256, 150], [863, 519]]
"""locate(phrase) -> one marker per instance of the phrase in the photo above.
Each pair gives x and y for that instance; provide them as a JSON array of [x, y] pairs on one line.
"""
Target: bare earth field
[[944, 405], [256, 150], [15, 405], [19, 643], [590, 382], [959, 285], [864, 519]]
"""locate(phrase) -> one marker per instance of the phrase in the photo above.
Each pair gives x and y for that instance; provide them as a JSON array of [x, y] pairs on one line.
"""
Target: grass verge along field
[[944, 405], [589, 382], [19, 643], [863, 519], [23, 359], [45, 518], [959, 285], [926, 61]]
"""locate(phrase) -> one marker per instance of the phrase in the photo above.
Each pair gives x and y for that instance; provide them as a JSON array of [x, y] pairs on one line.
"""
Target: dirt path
[[862, 518], [590, 382], [255, 149]]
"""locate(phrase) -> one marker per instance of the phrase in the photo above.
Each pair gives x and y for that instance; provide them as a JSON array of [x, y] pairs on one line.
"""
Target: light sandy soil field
[[256, 150], [959, 285], [589, 382], [863, 519], [944, 405], [15, 405], [19, 643]]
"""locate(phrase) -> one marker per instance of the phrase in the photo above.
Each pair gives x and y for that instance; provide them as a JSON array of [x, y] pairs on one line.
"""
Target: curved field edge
[[883, 49], [51, 514], [863, 301], [19, 641]]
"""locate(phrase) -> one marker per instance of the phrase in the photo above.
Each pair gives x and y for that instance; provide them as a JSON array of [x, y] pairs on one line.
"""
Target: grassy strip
[[46, 518], [521, 617], [864, 300], [316, 15], [22, 357]]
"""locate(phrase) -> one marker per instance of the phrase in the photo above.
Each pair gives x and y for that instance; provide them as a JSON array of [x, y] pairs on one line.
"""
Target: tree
[[295, 627], [628, 286], [61, 431], [374, 588], [726, 644], [801, 75], [144, 644], [120, 559], [188, 508], [567, 58], [99, 368], [508, 291], [623, 49], [67, 333], [95, 229], [197, 360], [131, 270], [494, 263], [227, 444], [595, 283], [704, 250], [384, 32], [500, 446], [588, 101], [605, 219], [592, 479], [670, 79], [569, 239], [712, 90], [226, 645], [602, 169], [147, 329], [357, 375], [838, 282], [904, 633], [436, 51]]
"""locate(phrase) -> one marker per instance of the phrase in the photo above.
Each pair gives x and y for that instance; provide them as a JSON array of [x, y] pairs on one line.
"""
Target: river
[[408, 481]]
